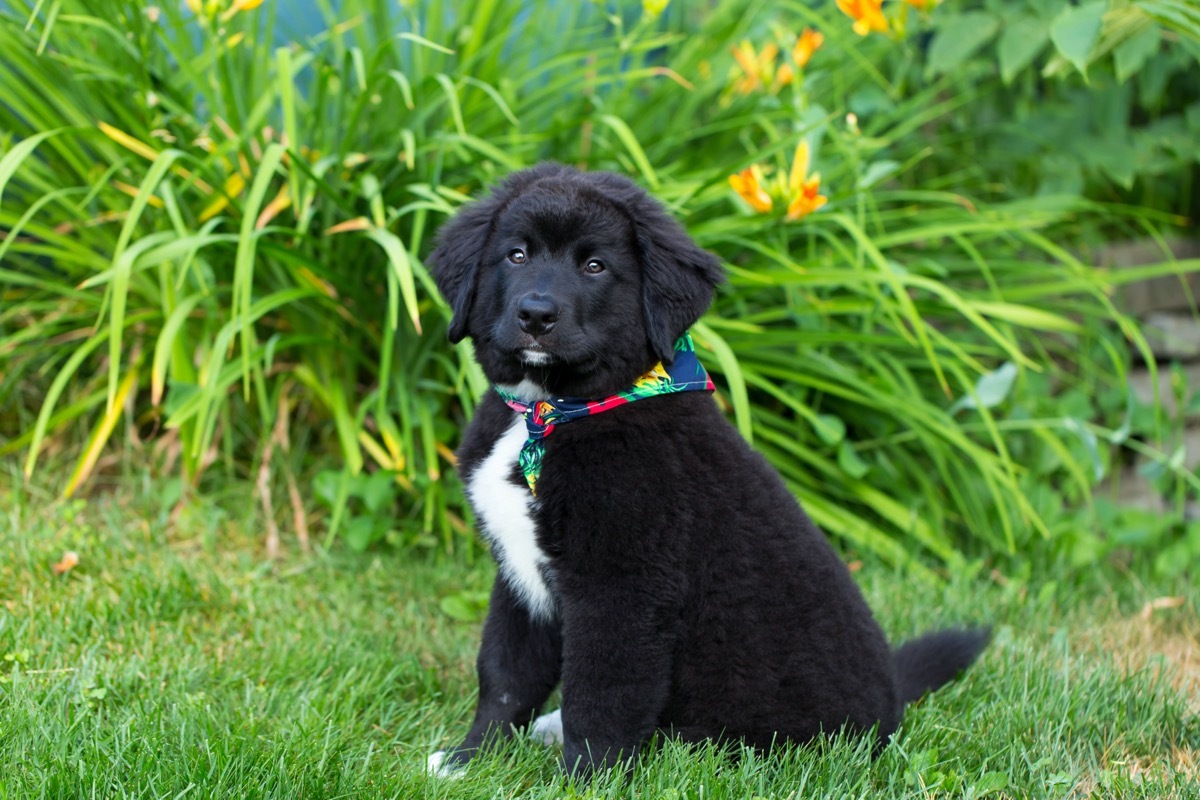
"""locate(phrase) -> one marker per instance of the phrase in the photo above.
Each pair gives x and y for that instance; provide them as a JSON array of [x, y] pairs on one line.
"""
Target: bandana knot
[[685, 374]]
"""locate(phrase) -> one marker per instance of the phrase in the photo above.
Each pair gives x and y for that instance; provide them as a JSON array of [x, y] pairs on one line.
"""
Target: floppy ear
[[462, 242], [678, 277], [455, 259]]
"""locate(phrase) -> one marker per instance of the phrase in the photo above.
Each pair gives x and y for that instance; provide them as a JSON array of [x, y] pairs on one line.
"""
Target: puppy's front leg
[[519, 664], [616, 671]]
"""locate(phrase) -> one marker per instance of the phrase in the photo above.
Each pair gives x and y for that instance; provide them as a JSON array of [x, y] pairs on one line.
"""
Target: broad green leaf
[[1047, 9], [958, 38], [991, 390], [830, 428], [1088, 438], [850, 462], [989, 782], [325, 486], [361, 532], [876, 172], [1022, 40], [1076, 30], [1130, 55], [377, 490]]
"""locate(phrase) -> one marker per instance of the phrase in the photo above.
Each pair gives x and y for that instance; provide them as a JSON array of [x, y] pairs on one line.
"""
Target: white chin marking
[[437, 767], [535, 358], [526, 390], [547, 729]]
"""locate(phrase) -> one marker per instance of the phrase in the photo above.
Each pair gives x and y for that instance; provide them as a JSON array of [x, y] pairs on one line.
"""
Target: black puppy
[[649, 559]]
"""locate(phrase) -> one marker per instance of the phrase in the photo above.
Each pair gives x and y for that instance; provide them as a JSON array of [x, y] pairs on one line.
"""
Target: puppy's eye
[[516, 256], [593, 267]]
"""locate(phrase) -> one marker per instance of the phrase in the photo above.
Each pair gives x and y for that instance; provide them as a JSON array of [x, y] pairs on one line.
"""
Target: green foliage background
[[213, 236]]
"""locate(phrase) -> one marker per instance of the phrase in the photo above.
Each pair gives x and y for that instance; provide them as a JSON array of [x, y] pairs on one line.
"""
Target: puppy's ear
[[456, 258], [462, 242], [678, 277]]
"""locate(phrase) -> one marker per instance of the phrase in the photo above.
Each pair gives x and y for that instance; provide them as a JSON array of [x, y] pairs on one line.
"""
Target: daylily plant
[[800, 191], [759, 68]]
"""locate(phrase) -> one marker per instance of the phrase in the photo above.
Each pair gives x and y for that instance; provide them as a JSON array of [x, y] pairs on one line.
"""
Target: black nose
[[536, 314]]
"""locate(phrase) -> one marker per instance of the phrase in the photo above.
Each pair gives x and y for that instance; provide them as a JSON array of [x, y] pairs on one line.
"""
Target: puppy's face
[[559, 288], [575, 282]]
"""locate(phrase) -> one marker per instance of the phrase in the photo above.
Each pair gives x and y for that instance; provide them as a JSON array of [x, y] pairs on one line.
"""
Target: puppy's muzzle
[[536, 314]]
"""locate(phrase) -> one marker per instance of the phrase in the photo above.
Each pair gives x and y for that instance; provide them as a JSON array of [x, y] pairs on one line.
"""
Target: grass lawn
[[176, 662]]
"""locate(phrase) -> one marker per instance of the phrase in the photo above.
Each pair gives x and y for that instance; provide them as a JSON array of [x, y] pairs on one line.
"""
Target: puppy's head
[[578, 282]]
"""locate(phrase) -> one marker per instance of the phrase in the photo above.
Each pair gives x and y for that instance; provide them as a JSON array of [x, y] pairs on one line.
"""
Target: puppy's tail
[[927, 662]]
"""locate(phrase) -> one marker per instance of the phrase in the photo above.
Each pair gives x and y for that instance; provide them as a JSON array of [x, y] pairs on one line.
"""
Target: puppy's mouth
[[534, 351], [537, 354], [535, 357]]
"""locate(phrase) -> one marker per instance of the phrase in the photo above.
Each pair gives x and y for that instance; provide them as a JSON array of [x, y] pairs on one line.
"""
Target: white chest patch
[[505, 510]]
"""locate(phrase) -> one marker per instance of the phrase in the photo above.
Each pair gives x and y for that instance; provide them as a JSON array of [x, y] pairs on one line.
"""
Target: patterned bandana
[[685, 374]]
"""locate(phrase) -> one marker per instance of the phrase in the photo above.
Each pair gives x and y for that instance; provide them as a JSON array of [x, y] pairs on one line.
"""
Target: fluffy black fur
[[692, 594]]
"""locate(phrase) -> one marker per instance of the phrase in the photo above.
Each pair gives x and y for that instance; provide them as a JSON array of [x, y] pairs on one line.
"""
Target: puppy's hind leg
[[519, 664]]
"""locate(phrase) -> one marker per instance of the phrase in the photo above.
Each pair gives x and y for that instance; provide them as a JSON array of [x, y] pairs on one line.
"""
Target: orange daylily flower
[[749, 185], [807, 43], [867, 15], [923, 5], [803, 189]]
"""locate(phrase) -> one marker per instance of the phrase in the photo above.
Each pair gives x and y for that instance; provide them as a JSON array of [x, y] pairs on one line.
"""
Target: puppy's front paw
[[547, 728], [442, 764]]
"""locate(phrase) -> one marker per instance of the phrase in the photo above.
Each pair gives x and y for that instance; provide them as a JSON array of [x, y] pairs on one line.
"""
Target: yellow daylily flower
[[807, 43], [757, 68], [867, 15], [749, 185], [760, 69], [783, 77], [803, 189]]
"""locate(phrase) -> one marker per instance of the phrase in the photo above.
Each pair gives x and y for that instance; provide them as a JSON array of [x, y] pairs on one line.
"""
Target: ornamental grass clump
[[214, 216]]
